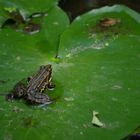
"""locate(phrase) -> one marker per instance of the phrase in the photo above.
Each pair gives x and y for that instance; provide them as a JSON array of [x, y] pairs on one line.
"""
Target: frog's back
[[40, 80]]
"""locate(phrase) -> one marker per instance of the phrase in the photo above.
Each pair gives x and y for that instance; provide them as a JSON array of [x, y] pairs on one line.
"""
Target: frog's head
[[46, 67]]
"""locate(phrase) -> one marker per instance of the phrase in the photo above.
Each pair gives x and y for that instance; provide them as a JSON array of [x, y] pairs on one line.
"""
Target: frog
[[34, 91]]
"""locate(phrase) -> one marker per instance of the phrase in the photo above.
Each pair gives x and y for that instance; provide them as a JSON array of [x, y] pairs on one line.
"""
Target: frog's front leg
[[38, 98], [50, 86]]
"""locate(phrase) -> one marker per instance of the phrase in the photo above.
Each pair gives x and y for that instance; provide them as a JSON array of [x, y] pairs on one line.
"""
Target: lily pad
[[102, 71], [96, 70], [21, 55], [26, 7]]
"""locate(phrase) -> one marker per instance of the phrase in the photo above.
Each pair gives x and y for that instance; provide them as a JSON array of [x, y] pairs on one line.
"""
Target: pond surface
[[75, 8]]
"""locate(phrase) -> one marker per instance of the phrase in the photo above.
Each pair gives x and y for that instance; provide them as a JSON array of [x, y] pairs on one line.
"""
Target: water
[[75, 8]]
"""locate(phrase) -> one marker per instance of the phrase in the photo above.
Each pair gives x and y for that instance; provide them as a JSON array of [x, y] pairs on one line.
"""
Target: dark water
[[77, 7]]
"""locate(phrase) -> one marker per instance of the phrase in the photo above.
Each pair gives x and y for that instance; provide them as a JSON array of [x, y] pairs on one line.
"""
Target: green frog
[[34, 91]]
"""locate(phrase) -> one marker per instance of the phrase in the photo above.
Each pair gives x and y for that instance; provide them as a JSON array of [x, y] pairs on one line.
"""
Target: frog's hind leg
[[38, 98], [18, 92]]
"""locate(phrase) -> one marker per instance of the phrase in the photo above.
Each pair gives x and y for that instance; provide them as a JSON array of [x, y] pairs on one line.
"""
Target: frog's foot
[[38, 98], [51, 86]]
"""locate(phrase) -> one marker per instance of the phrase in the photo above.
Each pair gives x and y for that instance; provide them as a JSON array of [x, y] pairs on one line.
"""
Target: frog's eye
[[49, 66], [42, 67], [29, 78]]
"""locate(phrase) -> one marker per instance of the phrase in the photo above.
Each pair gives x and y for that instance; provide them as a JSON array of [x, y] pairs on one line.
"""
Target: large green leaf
[[102, 73], [20, 56], [26, 7], [98, 71], [29, 6]]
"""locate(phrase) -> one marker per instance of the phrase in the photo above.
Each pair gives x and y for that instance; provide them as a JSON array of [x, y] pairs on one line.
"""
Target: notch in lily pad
[[19, 22]]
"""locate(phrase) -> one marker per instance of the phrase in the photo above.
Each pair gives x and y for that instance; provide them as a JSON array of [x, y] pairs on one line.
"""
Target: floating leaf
[[20, 56], [101, 69], [89, 72]]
